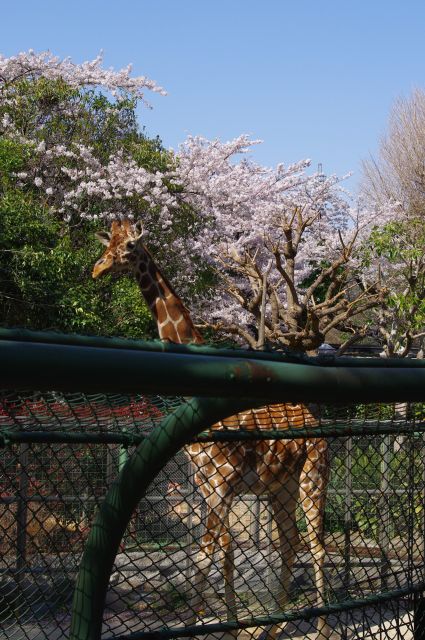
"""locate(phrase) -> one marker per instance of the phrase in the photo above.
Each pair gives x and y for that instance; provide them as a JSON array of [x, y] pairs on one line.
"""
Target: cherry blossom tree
[[74, 178], [284, 245], [279, 248], [32, 66], [70, 149]]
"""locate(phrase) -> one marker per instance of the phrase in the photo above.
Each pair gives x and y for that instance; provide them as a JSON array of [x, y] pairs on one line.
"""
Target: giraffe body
[[287, 470]]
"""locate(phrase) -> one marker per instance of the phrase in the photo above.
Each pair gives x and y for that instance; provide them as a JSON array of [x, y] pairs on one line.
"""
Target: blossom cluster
[[275, 228], [72, 178], [32, 65], [76, 182]]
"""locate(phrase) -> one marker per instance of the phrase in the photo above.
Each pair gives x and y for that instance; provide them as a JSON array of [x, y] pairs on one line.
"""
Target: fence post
[[255, 520], [122, 457], [384, 511], [348, 486], [419, 617], [419, 599], [21, 519], [22, 508]]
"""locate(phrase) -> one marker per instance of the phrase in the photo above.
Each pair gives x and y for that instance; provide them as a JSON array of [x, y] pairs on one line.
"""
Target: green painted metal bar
[[122, 457], [158, 346], [308, 613], [334, 430], [73, 437], [94, 369], [102, 545]]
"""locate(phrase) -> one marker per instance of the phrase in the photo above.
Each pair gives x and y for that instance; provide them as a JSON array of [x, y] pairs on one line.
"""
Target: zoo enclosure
[[136, 367]]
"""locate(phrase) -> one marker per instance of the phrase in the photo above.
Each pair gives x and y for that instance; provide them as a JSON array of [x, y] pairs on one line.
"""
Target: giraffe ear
[[138, 227], [104, 237]]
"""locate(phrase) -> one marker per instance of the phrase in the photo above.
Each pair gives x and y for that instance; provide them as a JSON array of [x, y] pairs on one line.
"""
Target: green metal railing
[[91, 365]]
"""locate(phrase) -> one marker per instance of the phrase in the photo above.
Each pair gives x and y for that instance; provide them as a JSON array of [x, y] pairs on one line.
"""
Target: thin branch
[[358, 335], [233, 329]]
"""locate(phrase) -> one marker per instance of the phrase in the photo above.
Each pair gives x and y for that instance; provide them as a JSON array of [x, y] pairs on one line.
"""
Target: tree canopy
[[47, 105], [278, 255], [397, 175]]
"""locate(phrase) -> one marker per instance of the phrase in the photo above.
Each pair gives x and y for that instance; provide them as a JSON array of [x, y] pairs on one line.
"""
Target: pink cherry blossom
[[33, 65]]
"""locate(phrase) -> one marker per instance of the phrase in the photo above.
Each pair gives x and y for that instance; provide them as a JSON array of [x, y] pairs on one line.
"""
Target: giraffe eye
[[131, 245]]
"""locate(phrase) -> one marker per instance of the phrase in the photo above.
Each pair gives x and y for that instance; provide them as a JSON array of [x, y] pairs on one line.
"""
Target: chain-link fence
[[211, 549]]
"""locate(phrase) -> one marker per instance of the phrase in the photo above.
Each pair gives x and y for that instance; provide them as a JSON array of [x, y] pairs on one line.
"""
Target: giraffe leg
[[313, 482], [284, 508], [217, 535], [204, 560]]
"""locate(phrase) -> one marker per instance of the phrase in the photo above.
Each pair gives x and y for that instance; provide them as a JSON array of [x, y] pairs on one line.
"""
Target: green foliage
[[402, 243], [149, 153], [45, 264], [380, 475], [13, 158], [337, 280], [45, 280], [401, 240], [53, 111]]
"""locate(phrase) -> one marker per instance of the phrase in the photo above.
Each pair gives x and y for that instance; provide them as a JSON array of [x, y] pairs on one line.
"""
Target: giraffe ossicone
[[287, 470]]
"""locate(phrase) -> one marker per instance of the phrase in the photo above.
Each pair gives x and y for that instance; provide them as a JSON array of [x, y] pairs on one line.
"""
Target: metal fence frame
[[217, 377]]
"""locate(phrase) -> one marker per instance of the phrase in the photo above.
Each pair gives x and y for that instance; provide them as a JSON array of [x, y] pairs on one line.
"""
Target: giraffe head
[[125, 251], [123, 244]]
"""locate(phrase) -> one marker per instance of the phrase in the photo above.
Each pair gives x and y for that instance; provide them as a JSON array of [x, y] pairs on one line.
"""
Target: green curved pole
[[151, 455]]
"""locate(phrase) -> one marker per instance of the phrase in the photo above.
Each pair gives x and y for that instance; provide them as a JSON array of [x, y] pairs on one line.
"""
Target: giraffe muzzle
[[101, 267]]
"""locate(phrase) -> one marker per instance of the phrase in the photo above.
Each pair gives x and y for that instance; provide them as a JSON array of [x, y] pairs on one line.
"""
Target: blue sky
[[312, 79]]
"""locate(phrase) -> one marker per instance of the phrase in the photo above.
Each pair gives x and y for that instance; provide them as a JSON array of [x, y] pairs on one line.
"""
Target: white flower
[[6, 121], [38, 181]]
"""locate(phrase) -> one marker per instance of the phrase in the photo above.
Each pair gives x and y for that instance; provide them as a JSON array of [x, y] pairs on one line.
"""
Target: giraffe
[[287, 470]]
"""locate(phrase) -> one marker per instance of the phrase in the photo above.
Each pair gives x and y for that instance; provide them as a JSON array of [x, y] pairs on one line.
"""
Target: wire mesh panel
[[210, 542], [373, 538], [49, 492]]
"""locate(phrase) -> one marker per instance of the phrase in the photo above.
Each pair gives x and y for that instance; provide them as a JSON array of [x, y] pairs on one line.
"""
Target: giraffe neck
[[173, 319]]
